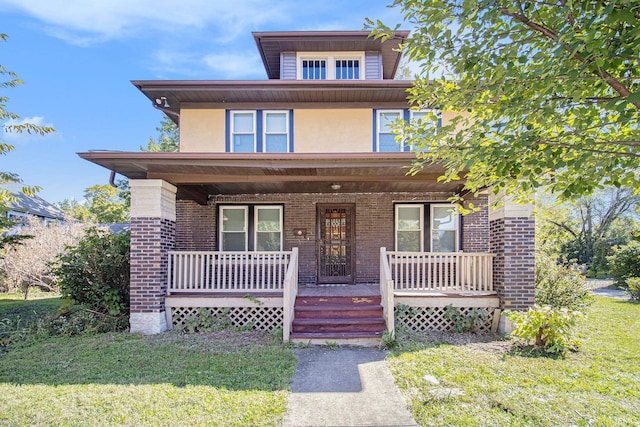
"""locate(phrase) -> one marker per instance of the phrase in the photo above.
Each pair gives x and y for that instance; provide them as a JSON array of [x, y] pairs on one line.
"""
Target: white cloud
[[11, 133], [87, 21], [236, 65]]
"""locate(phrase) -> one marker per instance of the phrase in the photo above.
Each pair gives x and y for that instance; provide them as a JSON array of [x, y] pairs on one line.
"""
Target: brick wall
[[151, 239], [513, 242], [196, 225]]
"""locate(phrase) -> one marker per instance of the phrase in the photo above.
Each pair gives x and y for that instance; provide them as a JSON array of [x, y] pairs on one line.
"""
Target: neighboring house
[[284, 184], [21, 207]]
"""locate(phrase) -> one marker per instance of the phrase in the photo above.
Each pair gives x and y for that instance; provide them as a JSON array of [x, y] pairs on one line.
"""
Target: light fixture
[[162, 99], [335, 187]]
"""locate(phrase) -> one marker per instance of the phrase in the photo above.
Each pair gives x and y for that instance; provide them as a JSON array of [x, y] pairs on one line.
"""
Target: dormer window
[[330, 65]]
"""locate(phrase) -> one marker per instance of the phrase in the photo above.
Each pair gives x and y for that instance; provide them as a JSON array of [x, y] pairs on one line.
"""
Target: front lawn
[[495, 384], [220, 378]]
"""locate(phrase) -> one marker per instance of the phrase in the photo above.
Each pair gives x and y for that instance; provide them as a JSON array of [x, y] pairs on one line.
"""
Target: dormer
[[328, 55]]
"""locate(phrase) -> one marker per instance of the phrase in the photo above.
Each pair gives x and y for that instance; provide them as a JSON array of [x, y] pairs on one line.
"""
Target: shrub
[[633, 288], [560, 286], [625, 262], [95, 273], [27, 263], [472, 322], [550, 328]]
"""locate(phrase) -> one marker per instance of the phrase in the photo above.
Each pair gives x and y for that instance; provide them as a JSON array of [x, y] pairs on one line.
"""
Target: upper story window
[[276, 131], [330, 65], [243, 131], [385, 137], [259, 131]]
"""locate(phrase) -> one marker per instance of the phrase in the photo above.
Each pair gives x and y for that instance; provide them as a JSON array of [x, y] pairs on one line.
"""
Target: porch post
[[512, 239], [153, 229]]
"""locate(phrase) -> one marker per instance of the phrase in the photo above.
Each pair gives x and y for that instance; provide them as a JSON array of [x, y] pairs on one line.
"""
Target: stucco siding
[[337, 131], [202, 130]]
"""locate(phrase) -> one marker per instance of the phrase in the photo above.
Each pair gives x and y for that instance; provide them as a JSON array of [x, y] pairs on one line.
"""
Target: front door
[[336, 243]]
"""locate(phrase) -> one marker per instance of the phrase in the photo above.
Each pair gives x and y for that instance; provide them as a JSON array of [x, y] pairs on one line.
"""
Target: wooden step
[[339, 311], [335, 325], [335, 335]]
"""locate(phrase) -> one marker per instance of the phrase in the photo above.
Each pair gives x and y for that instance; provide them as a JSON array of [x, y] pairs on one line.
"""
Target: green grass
[[228, 378], [599, 385]]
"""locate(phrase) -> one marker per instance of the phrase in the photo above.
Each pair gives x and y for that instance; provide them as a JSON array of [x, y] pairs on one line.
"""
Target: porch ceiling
[[199, 175]]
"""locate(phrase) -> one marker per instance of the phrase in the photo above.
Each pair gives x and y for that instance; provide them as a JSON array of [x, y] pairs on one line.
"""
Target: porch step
[[364, 324], [354, 320]]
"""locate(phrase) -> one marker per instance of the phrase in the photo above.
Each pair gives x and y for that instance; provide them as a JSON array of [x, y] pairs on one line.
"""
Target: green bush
[[560, 286], [633, 288], [625, 262], [95, 273], [472, 322], [550, 328]]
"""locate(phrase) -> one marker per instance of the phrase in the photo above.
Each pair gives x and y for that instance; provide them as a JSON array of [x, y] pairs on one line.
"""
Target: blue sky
[[77, 58]]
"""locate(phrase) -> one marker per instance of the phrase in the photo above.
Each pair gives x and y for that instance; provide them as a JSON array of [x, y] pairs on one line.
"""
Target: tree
[[168, 137], [584, 230], [102, 203], [27, 265], [9, 79], [548, 92]]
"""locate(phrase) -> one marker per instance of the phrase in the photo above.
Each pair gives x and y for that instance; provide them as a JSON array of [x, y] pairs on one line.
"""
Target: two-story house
[[296, 184]]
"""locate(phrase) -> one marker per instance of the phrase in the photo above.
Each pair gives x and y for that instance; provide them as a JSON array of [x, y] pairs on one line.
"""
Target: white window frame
[[330, 58], [221, 226], [456, 230], [378, 129], [265, 132], [233, 132], [256, 208], [420, 206]]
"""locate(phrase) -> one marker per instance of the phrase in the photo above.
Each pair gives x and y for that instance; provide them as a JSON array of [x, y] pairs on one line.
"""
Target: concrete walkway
[[344, 387]]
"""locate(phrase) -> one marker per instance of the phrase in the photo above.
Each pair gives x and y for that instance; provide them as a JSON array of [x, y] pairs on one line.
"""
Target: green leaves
[[546, 95]]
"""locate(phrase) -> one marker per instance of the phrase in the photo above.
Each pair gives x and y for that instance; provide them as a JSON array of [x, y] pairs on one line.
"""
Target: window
[[441, 235], [243, 131], [314, 69], [268, 228], [347, 69], [386, 139], [409, 228], [330, 65], [259, 131], [276, 131], [250, 228], [444, 228], [233, 228]]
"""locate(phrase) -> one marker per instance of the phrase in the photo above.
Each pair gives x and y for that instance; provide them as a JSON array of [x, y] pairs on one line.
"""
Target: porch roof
[[200, 175]]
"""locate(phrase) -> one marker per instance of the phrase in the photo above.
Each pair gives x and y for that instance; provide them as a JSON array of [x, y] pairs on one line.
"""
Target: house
[[288, 205], [20, 207]]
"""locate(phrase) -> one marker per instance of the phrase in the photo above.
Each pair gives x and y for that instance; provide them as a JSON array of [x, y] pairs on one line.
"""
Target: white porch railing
[[442, 272], [229, 272], [290, 292], [386, 292]]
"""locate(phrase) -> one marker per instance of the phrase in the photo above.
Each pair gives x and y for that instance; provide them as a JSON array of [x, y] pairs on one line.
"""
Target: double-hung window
[[347, 69], [250, 228], [427, 227], [243, 131], [314, 69], [385, 136], [276, 131]]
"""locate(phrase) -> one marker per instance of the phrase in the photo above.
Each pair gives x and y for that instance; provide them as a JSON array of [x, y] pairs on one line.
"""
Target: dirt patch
[[226, 341], [491, 343]]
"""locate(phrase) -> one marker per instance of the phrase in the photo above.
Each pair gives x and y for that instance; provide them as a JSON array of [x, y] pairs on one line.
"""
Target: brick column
[[512, 239], [153, 229]]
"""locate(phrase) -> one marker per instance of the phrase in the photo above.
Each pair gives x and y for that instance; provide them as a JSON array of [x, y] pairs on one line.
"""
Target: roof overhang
[[172, 95], [272, 44], [199, 176]]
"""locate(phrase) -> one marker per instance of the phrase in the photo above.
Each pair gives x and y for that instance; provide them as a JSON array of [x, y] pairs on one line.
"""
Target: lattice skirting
[[263, 318], [422, 319]]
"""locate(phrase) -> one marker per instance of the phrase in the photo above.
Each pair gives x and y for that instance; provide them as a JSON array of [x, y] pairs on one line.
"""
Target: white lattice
[[263, 318], [421, 319]]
